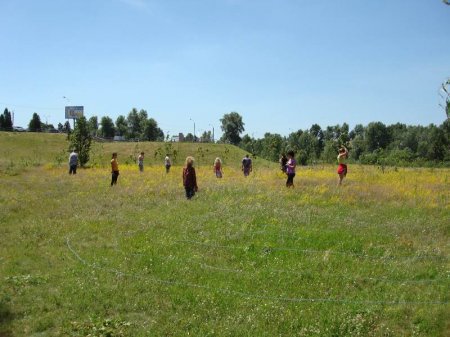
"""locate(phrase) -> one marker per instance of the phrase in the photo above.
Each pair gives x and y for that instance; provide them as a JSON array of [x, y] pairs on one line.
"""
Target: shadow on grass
[[6, 316]]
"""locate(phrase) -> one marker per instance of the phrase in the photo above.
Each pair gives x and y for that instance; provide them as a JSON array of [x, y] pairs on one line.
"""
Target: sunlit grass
[[245, 257]]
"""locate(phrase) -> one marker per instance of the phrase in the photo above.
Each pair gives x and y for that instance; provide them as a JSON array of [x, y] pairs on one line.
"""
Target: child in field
[[141, 162], [167, 163], [283, 162], [247, 166], [342, 159], [290, 169], [189, 178], [218, 168], [114, 169], [73, 162]]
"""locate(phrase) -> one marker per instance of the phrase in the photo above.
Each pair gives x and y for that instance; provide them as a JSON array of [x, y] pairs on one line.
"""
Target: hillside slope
[[22, 150]]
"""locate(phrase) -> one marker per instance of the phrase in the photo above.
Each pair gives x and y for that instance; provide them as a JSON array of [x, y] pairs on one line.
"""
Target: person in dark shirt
[[189, 178], [73, 162], [247, 166]]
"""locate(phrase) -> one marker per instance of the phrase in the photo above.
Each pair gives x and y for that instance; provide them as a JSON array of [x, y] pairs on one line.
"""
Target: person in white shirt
[[167, 163], [141, 162], [73, 162]]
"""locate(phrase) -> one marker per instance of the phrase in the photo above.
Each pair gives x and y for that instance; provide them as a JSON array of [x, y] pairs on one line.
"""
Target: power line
[[316, 251], [227, 291], [30, 107]]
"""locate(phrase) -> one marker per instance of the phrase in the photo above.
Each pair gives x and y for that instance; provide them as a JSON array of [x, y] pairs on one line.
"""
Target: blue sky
[[283, 65]]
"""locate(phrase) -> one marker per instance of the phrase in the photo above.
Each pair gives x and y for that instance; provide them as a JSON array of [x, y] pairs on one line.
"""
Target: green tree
[[437, 144], [35, 124], [247, 143], [293, 140], [232, 126], [307, 144], [136, 123], [358, 147], [330, 151], [151, 130], [143, 119], [80, 140], [358, 130], [273, 146], [377, 136], [6, 120], [317, 133], [67, 127], [93, 125], [189, 137], [446, 97], [206, 137], [107, 127], [122, 126]]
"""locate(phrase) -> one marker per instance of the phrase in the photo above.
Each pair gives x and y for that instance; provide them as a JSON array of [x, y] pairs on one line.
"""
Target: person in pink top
[[290, 169], [218, 168]]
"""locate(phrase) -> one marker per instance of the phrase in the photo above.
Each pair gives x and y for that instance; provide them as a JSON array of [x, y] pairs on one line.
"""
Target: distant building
[[179, 138]]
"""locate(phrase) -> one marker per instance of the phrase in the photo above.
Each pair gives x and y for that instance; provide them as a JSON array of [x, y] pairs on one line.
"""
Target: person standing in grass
[[114, 169], [141, 162], [189, 178], [290, 168], [247, 166], [218, 168], [73, 162], [167, 163], [342, 161]]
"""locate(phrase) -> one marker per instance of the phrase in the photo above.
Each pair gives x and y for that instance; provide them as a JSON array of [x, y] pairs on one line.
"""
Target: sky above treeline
[[282, 64]]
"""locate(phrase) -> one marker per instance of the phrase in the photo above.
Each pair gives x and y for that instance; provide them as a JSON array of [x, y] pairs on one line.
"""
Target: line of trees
[[376, 143], [137, 125]]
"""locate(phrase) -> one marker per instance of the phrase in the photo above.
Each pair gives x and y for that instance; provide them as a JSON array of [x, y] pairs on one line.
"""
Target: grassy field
[[245, 257], [20, 151]]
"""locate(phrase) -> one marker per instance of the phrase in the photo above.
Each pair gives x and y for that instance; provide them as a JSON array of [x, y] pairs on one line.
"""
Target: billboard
[[74, 112]]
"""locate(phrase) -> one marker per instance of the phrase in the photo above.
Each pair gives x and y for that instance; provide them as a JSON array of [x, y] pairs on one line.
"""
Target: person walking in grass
[[189, 178], [167, 163], [342, 161], [141, 162], [114, 169], [290, 168], [73, 162], [218, 168], [247, 165]]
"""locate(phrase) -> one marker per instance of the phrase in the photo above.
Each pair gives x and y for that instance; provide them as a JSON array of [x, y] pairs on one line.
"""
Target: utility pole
[[194, 127], [212, 133]]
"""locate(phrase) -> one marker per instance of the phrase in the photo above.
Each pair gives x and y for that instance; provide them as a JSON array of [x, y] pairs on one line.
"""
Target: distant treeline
[[376, 143]]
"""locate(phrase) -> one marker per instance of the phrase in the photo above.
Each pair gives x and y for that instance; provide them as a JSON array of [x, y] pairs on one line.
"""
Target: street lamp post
[[213, 132], [194, 127]]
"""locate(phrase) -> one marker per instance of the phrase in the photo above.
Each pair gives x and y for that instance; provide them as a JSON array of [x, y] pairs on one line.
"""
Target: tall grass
[[246, 257]]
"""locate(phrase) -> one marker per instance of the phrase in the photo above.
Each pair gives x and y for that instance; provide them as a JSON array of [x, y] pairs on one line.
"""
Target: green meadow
[[245, 257]]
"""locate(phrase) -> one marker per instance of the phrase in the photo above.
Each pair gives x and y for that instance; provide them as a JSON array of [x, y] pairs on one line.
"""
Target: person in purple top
[[290, 169]]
